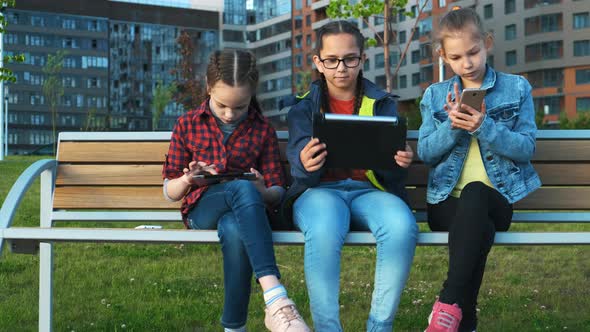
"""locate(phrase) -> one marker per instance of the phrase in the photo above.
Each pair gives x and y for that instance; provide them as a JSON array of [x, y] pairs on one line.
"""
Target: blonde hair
[[459, 20]]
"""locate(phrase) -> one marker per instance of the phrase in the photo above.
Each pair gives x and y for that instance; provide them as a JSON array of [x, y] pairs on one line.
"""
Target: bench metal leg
[[45, 286], [46, 256]]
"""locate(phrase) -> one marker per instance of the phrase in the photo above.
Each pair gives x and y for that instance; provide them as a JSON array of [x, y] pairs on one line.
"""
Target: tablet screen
[[361, 142]]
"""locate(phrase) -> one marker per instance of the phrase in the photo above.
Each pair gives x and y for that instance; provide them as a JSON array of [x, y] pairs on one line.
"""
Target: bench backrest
[[122, 171]]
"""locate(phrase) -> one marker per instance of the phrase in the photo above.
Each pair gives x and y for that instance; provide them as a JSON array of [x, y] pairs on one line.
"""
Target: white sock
[[273, 294], [239, 329]]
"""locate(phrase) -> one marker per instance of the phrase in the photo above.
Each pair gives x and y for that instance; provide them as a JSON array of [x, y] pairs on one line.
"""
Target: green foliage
[[413, 116], [53, 87], [581, 121], [162, 97], [303, 82], [5, 73]]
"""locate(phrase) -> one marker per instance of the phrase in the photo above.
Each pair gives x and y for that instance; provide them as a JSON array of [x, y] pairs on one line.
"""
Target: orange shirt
[[337, 174]]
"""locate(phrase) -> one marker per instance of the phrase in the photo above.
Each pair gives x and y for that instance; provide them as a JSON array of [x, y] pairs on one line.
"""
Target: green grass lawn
[[136, 287]]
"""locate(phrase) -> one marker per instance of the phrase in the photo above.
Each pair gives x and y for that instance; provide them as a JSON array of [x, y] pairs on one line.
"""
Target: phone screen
[[473, 98]]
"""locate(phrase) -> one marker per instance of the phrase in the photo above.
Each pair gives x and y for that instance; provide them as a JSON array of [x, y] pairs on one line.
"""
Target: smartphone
[[209, 179], [473, 98]]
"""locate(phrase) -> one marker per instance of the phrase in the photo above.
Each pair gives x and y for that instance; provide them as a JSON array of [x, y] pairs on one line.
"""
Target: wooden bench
[[108, 177]]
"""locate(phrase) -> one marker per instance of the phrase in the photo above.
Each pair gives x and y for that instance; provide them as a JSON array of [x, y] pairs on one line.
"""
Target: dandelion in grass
[[565, 327], [214, 285], [103, 301], [169, 290], [123, 326], [535, 291], [543, 307], [108, 305], [132, 279]]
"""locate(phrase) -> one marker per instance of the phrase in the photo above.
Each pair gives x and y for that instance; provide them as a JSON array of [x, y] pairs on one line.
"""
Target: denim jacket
[[506, 137]]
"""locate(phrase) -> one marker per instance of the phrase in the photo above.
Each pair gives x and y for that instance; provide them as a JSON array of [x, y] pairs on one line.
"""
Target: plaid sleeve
[[178, 157], [270, 160]]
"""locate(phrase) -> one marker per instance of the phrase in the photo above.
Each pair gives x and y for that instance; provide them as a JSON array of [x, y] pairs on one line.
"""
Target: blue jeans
[[236, 209], [325, 214]]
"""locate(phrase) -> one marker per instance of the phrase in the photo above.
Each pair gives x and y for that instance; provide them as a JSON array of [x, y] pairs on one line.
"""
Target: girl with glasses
[[331, 202]]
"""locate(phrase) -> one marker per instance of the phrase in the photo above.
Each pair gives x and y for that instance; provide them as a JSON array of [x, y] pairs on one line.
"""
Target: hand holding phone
[[472, 98]]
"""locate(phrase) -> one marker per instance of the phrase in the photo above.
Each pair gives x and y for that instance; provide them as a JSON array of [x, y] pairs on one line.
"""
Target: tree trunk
[[386, 46]]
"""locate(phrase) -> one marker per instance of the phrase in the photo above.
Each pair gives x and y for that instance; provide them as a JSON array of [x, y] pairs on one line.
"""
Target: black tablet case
[[361, 142]]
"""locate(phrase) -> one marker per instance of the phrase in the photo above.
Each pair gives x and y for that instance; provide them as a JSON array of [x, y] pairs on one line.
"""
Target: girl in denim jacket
[[480, 162]]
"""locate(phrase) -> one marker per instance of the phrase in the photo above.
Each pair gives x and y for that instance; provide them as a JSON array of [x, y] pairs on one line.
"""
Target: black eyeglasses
[[333, 63]]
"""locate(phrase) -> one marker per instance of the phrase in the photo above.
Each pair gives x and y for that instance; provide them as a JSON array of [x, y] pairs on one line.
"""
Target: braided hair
[[334, 28], [234, 68]]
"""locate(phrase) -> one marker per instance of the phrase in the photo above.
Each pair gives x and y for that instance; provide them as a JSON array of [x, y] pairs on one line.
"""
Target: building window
[[581, 20], [581, 47], [308, 40], [583, 104], [442, 3], [583, 76], [298, 41], [511, 58], [544, 51], [488, 11], [416, 34], [510, 32], [549, 105], [414, 10], [402, 37], [535, 3], [403, 82], [426, 74], [546, 78], [401, 16], [543, 23], [308, 20], [416, 56], [379, 61], [367, 65], [415, 79], [298, 22], [298, 4], [509, 6]]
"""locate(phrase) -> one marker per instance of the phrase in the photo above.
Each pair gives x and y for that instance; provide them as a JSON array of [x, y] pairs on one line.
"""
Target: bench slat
[[134, 174], [279, 237], [150, 197], [571, 150], [141, 152], [127, 197]]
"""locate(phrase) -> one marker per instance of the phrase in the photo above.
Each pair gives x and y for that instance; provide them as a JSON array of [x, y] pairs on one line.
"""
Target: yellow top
[[473, 170]]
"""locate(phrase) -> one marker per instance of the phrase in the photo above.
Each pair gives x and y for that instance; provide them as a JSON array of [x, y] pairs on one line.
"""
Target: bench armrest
[[42, 168]]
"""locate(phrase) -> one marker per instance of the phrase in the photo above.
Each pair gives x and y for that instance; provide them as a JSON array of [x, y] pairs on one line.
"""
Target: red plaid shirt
[[197, 137]]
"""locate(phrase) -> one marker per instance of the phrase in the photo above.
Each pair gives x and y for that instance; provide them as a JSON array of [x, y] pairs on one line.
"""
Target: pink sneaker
[[444, 317], [282, 316]]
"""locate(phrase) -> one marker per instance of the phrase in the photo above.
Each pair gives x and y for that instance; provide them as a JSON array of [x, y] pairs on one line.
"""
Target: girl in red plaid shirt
[[228, 133]]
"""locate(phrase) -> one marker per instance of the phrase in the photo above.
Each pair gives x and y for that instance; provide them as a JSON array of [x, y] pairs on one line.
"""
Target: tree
[[53, 87], [378, 8], [189, 90], [5, 73], [162, 97], [581, 121]]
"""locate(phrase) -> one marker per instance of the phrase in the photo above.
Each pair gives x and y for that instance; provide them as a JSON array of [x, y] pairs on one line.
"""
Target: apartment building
[[116, 53]]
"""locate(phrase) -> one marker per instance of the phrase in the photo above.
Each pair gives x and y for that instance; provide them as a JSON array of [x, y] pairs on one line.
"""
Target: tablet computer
[[210, 179], [362, 142]]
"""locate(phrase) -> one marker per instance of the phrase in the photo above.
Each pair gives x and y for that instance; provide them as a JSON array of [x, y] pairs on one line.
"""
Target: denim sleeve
[[518, 143], [435, 138], [300, 131]]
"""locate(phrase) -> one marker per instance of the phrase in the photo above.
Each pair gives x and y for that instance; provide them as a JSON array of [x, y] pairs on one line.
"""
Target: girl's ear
[[318, 63]]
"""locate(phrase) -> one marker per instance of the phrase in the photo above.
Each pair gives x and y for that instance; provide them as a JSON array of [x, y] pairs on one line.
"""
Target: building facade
[[116, 52]]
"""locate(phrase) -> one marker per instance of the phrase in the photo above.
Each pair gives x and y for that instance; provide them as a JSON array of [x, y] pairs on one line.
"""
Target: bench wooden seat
[[111, 177]]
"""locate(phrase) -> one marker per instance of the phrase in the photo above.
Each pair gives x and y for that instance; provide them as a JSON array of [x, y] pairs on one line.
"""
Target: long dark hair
[[334, 28], [234, 68]]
